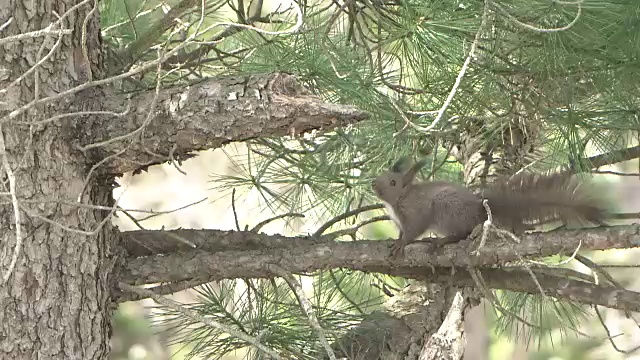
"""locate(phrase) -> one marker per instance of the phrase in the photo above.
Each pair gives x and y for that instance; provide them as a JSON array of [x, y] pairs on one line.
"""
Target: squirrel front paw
[[397, 249]]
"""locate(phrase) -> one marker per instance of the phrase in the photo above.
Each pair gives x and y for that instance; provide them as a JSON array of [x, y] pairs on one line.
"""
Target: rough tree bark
[[238, 254], [55, 303], [57, 300]]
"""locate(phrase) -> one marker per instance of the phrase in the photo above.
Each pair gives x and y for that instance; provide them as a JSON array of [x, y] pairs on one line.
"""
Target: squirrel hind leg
[[596, 216], [585, 215], [453, 238]]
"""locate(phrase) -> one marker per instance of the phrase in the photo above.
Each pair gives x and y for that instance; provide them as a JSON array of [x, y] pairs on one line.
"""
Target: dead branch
[[612, 157], [209, 115], [448, 341]]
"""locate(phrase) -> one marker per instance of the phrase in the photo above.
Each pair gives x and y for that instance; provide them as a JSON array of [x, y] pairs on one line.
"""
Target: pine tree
[[332, 93]]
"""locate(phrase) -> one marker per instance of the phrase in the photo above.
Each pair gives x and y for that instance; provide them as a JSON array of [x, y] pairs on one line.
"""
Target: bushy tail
[[533, 199]]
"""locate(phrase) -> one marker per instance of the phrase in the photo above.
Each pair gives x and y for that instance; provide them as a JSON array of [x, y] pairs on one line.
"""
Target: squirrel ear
[[408, 177], [401, 165]]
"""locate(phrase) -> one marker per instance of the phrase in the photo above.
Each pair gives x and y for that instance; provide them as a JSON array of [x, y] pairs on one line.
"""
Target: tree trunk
[[56, 301]]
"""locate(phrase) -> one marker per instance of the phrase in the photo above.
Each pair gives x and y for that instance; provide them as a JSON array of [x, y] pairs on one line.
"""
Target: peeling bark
[[204, 116], [445, 343], [398, 331]]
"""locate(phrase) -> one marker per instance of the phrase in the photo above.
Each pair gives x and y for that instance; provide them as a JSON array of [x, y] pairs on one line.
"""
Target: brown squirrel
[[452, 211]]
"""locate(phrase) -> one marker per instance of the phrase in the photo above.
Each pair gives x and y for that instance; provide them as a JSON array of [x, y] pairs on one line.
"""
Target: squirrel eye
[[393, 183]]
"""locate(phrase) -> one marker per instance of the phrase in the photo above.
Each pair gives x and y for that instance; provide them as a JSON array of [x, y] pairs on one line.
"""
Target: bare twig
[[233, 207], [507, 234], [306, 307], [610, 337], [617, 173], [624, 266], [563, 262], [83, 40], [265, 222], [49, 30], [479, 281], [139, 14], [171, 235], [158, 213], [353, 230], [133, 219], [77, 231], [173, 161], [477, 277], [36, 65], [100, 207], [16, 207], [6, 24], [164, 289], [597, 268], [345, 215], [95, 166], [197, 317], [485, 227], [541, 30], [463, 70], [405, 118]]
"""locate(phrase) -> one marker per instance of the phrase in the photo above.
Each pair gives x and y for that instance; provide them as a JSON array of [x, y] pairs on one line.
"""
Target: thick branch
[[207, 115], [514, 279], [369, 256], [613, 157], [154, 242], [556, 286], [219, 253]]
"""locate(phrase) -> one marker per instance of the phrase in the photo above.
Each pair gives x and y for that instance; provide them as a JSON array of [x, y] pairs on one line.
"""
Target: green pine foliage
[[398, 60]]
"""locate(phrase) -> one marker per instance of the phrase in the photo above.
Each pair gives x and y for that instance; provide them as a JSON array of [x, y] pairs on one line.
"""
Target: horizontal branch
[[155, 242], [204, 116], [223, 250], [369, 256], [520, 280], [612, 157]]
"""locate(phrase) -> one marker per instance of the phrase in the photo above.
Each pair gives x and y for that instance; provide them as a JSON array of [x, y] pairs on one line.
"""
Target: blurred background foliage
[[569, 70]]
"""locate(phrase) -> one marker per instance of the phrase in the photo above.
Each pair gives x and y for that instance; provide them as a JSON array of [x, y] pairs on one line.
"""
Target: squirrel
[[453, 211]]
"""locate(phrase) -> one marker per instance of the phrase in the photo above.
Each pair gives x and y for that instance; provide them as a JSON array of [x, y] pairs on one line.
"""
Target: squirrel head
[[389, 185]]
